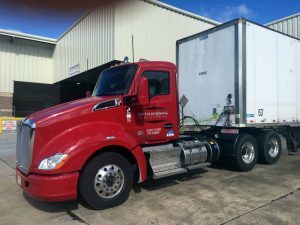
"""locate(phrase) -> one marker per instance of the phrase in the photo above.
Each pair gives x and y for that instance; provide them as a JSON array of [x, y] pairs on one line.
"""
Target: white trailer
[[242, 80], [257, 67]]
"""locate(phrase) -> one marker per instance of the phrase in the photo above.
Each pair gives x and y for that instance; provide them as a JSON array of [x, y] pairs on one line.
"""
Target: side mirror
[[143, 97]]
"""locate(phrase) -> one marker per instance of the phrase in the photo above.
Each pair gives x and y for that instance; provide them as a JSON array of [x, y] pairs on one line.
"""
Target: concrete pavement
[[266, 195]]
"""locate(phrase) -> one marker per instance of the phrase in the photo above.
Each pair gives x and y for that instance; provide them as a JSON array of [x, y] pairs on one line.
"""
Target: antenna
[[132, 45]]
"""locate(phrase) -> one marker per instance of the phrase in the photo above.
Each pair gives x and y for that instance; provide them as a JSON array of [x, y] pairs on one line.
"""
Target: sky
[[47, 23], [260, 11], [26, 19]]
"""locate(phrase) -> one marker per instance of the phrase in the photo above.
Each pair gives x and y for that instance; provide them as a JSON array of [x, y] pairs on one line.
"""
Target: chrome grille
[[25, 137]]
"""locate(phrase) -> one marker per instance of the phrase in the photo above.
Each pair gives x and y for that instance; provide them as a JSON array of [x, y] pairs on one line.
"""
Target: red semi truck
[[128, 131]]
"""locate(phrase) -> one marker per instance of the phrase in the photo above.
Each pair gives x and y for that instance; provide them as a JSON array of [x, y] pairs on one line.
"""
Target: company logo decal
[[170, 133], [154, 115]]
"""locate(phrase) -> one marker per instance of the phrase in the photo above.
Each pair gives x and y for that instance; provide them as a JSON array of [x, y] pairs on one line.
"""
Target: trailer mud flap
[[227, 143]]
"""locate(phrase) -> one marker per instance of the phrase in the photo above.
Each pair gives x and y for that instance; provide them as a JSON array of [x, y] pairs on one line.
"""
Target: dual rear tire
[[266, 149], [269, 144], [246, 153]]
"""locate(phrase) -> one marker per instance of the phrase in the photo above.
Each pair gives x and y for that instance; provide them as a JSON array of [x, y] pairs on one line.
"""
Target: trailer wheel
[[269, 144], [246, 153], [106, 181]]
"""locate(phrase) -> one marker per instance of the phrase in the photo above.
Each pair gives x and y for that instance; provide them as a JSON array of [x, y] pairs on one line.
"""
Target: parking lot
[[266, 195]]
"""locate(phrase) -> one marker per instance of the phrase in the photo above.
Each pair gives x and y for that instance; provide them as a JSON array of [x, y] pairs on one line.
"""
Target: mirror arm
[[130, 100]]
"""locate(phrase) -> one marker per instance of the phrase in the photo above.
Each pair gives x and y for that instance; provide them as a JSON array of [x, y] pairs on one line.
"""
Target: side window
[[159, 82]]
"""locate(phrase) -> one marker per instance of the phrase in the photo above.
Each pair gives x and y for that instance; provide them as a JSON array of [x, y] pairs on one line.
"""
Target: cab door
[[158, 121]]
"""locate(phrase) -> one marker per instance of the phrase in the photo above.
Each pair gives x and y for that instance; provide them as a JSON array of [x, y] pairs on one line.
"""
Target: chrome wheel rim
[[273, 147], [248, 152], [109, 181]]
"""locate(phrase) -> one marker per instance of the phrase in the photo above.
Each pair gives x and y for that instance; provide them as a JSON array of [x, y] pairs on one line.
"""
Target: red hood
[[67, 110]]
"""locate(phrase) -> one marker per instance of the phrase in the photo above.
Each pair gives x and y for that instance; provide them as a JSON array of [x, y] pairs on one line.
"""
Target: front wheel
[[106, 181], [246, 153]]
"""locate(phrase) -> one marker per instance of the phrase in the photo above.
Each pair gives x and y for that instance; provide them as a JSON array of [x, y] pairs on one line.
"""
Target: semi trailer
[[235, 93]]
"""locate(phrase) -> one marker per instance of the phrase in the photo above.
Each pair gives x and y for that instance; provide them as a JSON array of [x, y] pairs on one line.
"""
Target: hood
[[67, 110]]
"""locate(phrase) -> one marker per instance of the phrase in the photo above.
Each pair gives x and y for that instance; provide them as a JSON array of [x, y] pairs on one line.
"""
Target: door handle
[[168, 126]]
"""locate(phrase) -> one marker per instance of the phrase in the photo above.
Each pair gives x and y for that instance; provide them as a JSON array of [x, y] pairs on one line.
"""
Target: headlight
[[53, 162]]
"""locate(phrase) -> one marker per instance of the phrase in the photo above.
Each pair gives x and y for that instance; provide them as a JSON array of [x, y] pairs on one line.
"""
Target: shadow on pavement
[[49, 207], [151, 184]]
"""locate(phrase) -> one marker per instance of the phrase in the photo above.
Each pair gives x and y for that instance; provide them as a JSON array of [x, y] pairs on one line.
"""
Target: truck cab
[[63, 151], [148, 97], [127, 131]]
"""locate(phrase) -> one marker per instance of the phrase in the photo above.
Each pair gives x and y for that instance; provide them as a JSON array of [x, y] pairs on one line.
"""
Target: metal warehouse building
[[289, 25], [38, 72]]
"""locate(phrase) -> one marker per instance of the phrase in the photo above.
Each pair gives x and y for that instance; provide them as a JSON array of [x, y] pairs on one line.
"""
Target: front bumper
[[51, 188]]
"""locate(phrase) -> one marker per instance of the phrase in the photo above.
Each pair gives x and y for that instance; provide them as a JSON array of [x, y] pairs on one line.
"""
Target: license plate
[[19, 180]]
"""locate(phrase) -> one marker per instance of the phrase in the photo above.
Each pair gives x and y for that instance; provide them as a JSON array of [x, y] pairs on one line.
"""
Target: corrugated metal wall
[[24, 60], [86, 45], [289, 25], [105, 35], [155, 29]]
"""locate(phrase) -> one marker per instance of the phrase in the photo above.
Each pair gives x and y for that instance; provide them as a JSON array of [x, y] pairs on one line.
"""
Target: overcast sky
[[53, 24]]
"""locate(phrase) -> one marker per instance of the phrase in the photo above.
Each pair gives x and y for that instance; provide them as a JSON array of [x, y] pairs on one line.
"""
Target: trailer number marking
[[260, 112]]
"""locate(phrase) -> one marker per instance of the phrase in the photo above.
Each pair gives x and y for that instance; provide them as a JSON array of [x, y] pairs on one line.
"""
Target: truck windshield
[[115, 81]]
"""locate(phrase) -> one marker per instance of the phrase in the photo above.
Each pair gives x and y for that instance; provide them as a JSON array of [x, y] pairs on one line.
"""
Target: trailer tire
[[246, 153], [105, 181], [269, 145]]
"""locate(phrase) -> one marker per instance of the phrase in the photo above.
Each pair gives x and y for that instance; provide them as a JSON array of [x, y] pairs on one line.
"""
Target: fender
[[81, 142], [227, 143]]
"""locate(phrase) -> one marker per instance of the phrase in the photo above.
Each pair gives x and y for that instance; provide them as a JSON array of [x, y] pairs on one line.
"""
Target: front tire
[[106, 181], [246, 153], [269, 144]]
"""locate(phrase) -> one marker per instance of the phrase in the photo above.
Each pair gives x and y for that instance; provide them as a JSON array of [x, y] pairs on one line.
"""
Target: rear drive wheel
[[246, 153], [269, 144], [106, 181]]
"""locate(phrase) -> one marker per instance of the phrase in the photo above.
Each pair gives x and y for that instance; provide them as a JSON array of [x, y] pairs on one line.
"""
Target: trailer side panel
[[207, 73], [271, 76]]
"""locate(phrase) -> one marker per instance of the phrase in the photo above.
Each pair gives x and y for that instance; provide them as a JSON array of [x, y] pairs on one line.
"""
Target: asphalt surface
[[266, 195]]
